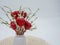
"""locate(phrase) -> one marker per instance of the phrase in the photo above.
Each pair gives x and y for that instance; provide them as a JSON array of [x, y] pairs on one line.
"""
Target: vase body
[[19, 40]]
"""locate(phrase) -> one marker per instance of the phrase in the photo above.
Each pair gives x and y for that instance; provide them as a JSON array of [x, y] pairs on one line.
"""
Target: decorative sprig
[[33, 28], [4, 20], [6, 23], [27, 9], [8, 8], [34, 19], [33, 14], [5, 13], [20, 8]]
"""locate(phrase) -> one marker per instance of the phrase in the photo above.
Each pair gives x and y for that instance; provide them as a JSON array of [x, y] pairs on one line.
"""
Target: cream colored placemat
[[30, 40]]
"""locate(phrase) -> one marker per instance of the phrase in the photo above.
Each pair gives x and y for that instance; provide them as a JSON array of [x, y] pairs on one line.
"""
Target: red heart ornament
[[27, 25], [12, 25], [20, 21], [15, 13]]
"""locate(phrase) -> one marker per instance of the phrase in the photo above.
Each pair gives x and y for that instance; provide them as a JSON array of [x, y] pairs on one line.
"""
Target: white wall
[[48, 23]]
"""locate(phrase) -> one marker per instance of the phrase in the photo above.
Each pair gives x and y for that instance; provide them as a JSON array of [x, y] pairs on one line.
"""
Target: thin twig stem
[[34, 14], [6, 13]]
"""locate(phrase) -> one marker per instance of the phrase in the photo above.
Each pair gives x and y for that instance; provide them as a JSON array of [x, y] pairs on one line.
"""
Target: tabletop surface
[[30, 40]]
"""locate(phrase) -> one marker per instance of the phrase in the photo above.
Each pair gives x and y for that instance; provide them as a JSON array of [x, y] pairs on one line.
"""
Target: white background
[[48, 23]]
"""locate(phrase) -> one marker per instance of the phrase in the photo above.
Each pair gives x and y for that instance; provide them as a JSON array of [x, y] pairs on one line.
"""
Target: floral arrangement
[[19, 19]]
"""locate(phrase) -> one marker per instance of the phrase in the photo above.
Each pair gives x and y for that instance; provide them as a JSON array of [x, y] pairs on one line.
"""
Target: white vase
[[19, 40]]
